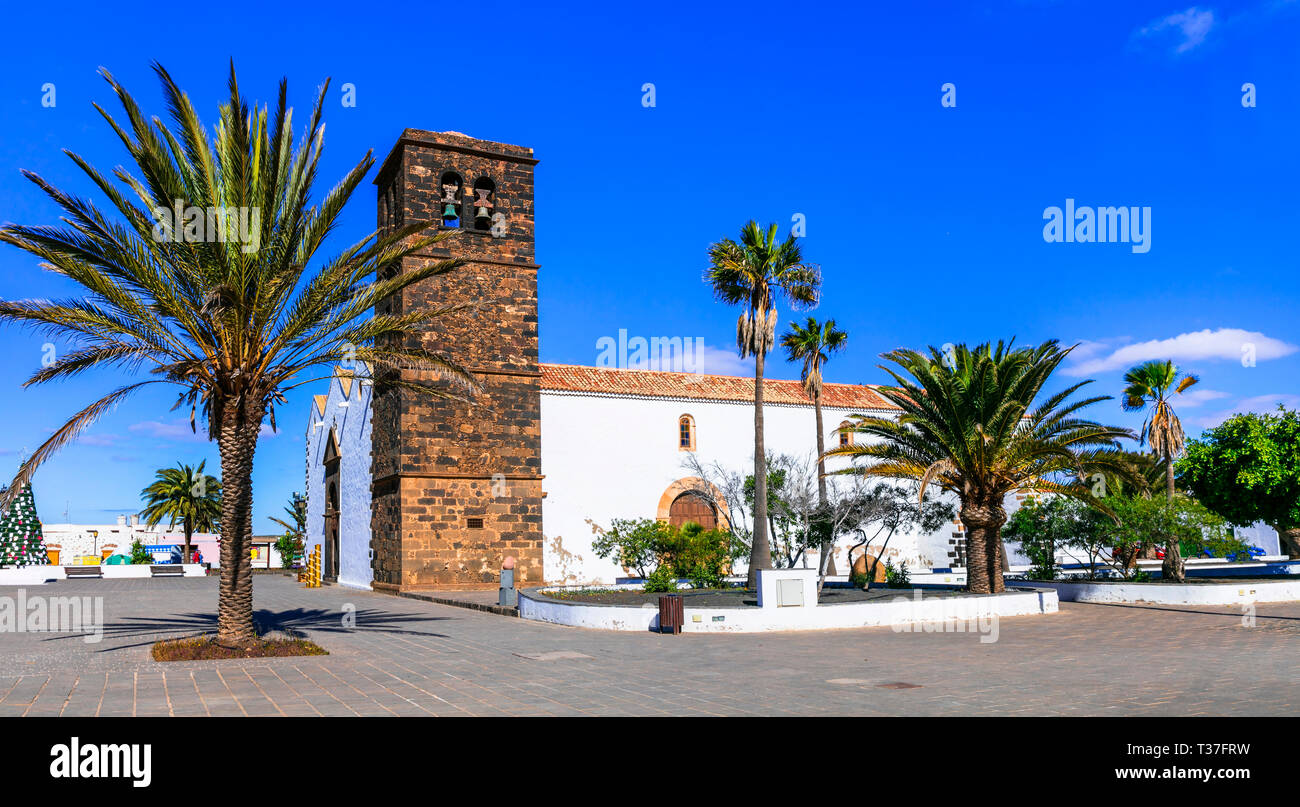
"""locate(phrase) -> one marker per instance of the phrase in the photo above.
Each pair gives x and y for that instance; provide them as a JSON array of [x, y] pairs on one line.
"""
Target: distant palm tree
[[290, 544], [1153, 383], [753, 273], [231, 314], [186, 495], [812, 344], [972, 423], [297, 513]]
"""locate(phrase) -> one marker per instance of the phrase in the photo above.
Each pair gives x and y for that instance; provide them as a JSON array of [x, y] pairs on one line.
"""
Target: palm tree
[[972, 424], [753, 273], [1154, 383], [186, 495], [812, 344], [297, 513], [233, 316]]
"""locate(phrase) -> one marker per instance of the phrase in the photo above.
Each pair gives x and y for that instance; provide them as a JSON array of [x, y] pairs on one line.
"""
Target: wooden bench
[[82, 571], [166, 570]]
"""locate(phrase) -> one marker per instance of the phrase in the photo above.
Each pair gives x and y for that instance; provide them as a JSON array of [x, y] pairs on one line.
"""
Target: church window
[[686, 433], [846, 437]]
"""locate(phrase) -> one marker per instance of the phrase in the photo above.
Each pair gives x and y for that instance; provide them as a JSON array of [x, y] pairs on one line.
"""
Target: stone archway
[[692, 487]]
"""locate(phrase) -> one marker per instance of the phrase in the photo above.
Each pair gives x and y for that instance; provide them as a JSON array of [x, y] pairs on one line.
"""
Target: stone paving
[[409, 657]]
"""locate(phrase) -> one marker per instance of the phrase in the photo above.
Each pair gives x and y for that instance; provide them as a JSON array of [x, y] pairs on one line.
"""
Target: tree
[[632, 543], [973, 425], [753, 273], [812, 344], [1045, 525], [231, 313], [22, 542], [793, 518], [297, 513], [186, 495], [1152, 384], [889, 508], [1182, 520], [1247, 469]]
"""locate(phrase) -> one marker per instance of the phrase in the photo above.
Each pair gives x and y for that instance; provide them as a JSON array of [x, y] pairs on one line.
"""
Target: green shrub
[[661, 580], [290, 548], [858, 579], [896, 576], [699, 555], [138, 555], [635, 544]]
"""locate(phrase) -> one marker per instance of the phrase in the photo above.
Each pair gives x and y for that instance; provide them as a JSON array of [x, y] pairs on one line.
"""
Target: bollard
[[507, 597]]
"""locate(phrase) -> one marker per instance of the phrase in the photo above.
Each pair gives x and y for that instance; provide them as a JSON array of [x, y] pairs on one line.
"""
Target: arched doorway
[[691, 506], [330, 548], [330, 567], [709, 513]]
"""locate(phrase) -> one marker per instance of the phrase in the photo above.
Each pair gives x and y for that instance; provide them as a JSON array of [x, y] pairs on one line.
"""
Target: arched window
[[691, 506], [846, 437], [484, 203], [686, 433], [452, 187]]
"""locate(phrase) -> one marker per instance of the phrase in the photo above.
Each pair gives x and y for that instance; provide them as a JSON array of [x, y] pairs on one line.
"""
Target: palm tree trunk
[[983, 520], [1173, 567], [236, 443], [826, 547], [760, 553], [1288, 539], [189, 532]]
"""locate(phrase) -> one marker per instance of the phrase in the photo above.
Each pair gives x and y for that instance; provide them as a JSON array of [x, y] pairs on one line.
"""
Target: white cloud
[[1227, 344], [1196, 397], [1259, 403], [1189, 28]]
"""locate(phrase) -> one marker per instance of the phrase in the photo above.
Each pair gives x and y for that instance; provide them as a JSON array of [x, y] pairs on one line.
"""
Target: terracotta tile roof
[[659, 384]]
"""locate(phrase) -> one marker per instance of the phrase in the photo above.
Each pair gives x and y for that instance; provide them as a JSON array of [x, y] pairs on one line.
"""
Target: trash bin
[[670, 613]]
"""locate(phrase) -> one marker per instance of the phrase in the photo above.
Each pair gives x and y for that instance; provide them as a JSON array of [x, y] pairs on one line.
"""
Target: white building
[[615, 444], [70, 543]]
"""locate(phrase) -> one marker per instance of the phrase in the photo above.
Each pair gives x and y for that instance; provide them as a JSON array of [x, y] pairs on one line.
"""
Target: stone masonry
[[458, 486]]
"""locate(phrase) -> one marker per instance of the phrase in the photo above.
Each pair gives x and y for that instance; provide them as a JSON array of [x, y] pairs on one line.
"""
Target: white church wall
[[349, 416], [606, 457]]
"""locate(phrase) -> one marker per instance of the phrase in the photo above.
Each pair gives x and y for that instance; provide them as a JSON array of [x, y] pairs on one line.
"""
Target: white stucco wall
[[606, 457], [349, 416]]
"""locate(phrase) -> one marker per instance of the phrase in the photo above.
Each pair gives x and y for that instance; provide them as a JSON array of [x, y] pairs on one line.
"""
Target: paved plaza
[[398, 656]]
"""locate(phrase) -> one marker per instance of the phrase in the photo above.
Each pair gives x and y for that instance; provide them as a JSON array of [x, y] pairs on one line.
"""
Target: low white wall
[[30, 575], [901, 610], [36, 575], [1233, 593]]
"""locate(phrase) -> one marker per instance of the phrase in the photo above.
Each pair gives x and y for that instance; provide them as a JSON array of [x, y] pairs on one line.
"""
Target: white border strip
[[1233, 593], [900, 610]]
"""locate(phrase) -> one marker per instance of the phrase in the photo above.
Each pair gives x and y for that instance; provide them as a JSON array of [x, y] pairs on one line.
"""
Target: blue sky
[[927, 220]]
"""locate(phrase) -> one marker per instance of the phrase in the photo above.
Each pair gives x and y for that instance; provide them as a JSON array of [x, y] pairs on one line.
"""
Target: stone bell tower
[[457, 486]]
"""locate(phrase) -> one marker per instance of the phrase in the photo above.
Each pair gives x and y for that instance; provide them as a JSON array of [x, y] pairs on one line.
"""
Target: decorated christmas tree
[[21, 543]]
